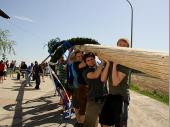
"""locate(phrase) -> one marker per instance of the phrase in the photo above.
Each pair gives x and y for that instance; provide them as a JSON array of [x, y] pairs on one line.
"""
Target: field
[[149, 83]]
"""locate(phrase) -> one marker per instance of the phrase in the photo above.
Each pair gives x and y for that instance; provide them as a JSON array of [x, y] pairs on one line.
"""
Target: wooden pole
[[150, 62]]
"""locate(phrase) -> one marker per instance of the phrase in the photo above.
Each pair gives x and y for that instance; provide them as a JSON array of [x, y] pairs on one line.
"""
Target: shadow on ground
[[44, 111]]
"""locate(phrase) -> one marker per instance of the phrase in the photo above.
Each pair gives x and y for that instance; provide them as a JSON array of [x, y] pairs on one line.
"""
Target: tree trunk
[[150, 62]]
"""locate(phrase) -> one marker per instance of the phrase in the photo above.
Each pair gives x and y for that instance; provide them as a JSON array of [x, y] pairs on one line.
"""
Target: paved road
[[26, 107]]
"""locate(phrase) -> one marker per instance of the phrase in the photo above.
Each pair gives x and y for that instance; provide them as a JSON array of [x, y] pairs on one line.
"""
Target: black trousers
[[37, 81]]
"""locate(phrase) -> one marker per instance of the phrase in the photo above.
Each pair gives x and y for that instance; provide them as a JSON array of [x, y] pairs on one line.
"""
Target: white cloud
[[24, 19]]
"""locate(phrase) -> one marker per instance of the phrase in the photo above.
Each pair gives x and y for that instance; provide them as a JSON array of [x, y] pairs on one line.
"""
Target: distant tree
[[6, 45]]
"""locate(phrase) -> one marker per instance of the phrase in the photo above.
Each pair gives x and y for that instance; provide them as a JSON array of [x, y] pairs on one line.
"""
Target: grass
[[153, 94]]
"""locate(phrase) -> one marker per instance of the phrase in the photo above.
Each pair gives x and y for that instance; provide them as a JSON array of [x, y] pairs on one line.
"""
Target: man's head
[[32, 64], [89, 59], [79, 55], [36, 63], [123, 42]]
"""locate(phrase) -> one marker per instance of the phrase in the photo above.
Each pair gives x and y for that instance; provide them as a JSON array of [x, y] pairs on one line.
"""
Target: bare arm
[[82, 64], [95, 74], [117, 76], [104, 74]]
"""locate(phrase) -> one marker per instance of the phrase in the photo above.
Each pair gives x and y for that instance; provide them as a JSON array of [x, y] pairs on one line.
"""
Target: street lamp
[[131, 39]]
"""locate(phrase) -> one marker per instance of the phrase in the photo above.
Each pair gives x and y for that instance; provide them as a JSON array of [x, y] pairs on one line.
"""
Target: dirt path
[[147, 112]]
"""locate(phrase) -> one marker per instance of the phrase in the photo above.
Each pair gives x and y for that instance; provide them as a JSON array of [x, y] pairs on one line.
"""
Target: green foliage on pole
[[58, 48]]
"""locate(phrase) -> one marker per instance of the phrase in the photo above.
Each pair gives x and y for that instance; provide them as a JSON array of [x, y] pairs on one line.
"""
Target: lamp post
[[131, 39]]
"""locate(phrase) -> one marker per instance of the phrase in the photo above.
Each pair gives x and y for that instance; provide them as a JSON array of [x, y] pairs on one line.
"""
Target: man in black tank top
[[95, 96]]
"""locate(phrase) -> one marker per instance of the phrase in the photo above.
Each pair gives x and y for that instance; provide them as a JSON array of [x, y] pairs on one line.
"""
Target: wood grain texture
[[153, 63]]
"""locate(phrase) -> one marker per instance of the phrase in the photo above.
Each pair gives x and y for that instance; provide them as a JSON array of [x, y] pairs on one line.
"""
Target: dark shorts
[[114, 111], [82, 98]]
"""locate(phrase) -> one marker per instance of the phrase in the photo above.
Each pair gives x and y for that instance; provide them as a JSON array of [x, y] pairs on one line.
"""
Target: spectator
[[11, 67], [1, 71], [23, 68], [5, 70], [28, 74], [36, 72]]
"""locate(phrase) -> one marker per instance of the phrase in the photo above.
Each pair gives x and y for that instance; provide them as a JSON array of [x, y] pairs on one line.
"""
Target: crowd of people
[[34, 72], [99, 92], [5, 67]]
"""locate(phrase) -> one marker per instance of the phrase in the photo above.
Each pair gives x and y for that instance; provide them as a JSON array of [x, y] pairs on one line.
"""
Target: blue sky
[[34, 22]]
